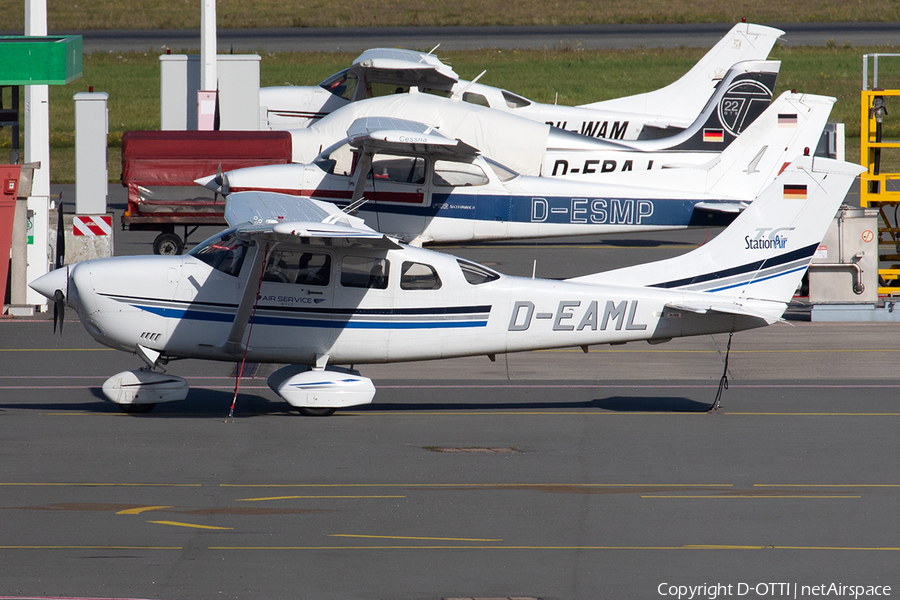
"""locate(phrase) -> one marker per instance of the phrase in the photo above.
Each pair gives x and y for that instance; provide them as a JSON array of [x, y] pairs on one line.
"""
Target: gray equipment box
[[844, 269]]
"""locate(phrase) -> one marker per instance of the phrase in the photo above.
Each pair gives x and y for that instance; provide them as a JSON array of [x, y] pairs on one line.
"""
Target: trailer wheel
[[168, 244]]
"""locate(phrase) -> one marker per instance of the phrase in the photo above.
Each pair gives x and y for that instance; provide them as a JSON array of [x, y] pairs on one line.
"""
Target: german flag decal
[[787, 120], [713, 135], [794, 192]]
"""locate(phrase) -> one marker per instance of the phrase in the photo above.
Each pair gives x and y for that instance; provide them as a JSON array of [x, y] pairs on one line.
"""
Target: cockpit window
[[337, 160], [456, 174], [399, 169], [302, 268], [473, 98], [504, 173], [341, 84], [513, 101], [364, 272], [223, 252], [476, 274], [418, 276]]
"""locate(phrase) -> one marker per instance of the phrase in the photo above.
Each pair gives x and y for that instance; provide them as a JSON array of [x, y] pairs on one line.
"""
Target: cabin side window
[[473, 98], [223, 252], [513, 101], [457, 174], [418, 276], [476, 274], [398, 169], [301, 268], [364, 272]]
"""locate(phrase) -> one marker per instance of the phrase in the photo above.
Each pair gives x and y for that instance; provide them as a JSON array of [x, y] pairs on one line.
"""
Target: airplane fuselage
[[426, 305], [483, 207]]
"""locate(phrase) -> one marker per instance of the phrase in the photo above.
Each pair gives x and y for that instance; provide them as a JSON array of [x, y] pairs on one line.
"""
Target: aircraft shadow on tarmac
[[199, 403], [612, 403], [205, 403]]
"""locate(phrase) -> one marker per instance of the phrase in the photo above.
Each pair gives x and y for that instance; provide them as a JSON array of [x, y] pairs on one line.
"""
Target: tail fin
[[791, 124], [681, 101], [763, 254], [740, 97], [790, 127]]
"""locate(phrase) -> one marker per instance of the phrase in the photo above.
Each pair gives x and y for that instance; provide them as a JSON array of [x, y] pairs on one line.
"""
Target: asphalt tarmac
[[555, 475]]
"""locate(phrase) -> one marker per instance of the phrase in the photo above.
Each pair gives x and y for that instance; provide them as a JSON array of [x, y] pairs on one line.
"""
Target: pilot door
[[398, 194], [296, 296]]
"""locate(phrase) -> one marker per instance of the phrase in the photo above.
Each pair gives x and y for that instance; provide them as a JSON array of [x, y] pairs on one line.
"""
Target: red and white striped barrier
[[95, 225]]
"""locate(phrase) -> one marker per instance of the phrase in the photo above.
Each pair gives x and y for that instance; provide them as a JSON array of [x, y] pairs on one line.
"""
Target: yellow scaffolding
[[877, 189]]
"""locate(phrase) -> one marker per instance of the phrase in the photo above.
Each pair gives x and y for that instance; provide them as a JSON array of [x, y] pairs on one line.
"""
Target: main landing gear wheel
[[136, 409], [306, 411], [168, 244]]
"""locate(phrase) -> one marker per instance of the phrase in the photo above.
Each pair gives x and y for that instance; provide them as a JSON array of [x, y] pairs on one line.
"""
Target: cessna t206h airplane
[[296, 281], [383, 71], [534, 148], [423, 187]]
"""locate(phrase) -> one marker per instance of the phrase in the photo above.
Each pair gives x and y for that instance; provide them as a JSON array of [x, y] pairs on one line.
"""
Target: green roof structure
[[49, 60]]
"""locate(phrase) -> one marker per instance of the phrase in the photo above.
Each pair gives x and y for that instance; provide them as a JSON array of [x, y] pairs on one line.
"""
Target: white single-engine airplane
[[534, 148], [424, 187], [383, 71], [297, 281]]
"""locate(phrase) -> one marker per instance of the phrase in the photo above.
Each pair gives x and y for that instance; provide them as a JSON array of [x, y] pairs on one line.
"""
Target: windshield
[[223, 252], [341, 84], [337, 160]]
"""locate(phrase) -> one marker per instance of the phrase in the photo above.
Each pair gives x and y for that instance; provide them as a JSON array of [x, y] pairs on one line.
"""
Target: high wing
[[400, 67], [398, 136], [402, 136], [271, 219], [279, 218]]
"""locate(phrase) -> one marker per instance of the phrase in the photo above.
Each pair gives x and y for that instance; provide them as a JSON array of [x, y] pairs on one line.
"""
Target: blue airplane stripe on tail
[[782, 259], [758, 279]]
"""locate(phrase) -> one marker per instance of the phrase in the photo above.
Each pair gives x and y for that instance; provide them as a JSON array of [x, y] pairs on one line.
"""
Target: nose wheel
[[136, 409]]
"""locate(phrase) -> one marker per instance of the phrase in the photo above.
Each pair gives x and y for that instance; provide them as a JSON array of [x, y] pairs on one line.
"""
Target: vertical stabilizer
[[681, 101], [763, 254]]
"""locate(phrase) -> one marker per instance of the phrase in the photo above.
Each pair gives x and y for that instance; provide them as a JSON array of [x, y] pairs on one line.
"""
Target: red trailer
[[159, 169]]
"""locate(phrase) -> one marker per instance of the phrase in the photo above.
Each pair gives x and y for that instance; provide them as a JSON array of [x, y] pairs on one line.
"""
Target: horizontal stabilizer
[[730, 208], [729, 308]]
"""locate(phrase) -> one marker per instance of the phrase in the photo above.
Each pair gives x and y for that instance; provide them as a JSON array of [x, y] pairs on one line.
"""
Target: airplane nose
[[208, 182], [46, 285]]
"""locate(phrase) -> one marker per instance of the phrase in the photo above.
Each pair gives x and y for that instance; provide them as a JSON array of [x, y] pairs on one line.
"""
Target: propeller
[[221, 180], [59, 310], [59, 298], [60, 259]]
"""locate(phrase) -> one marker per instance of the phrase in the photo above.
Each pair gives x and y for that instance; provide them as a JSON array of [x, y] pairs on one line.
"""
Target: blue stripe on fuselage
[[342, 323], [548, 209]]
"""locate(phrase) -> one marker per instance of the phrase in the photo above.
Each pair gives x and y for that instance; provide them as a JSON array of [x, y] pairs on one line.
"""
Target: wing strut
[[240, 321]]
